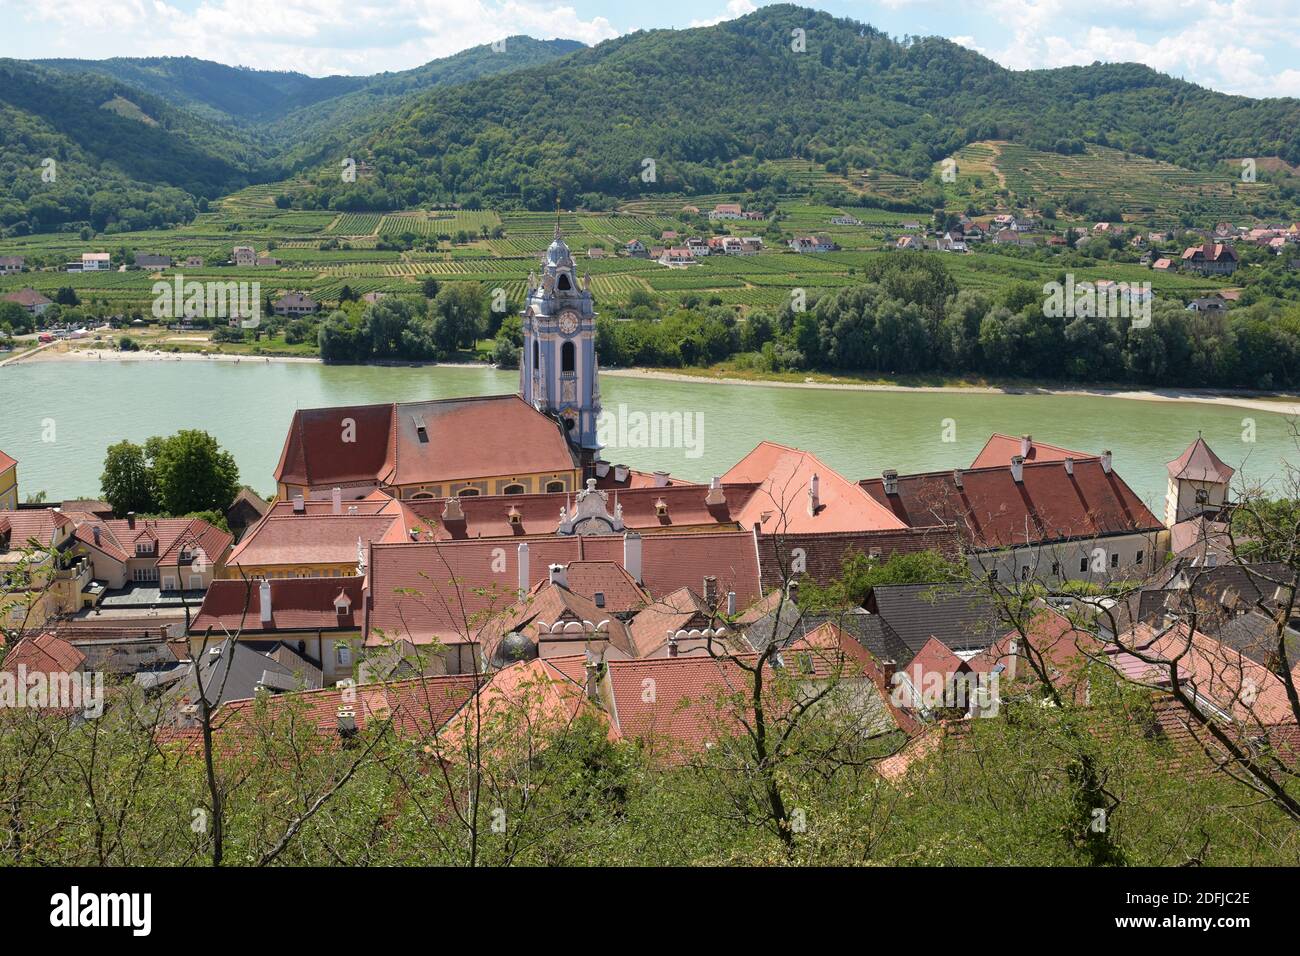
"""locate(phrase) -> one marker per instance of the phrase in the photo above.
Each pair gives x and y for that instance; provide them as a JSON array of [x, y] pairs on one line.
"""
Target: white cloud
[[318, 37], [735, 8]]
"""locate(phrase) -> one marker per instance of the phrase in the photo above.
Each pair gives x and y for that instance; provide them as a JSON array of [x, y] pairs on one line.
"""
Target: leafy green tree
[[127, 482], [193, 473]]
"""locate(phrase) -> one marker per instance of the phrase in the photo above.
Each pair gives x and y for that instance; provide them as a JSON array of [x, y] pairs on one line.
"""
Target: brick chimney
[[592, 683], [130, 519], [711, 590], [956, 479]]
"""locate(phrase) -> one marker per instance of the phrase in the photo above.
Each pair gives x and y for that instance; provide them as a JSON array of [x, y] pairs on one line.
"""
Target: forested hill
[[140, 142], [118, 153], [703, 103]]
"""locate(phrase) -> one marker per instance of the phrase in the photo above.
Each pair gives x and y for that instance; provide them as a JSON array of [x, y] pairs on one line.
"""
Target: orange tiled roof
[[781, 505], [1000, 449]]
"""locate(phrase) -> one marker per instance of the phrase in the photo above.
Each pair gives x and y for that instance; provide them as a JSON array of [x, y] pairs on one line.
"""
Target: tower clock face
[[568, 322]]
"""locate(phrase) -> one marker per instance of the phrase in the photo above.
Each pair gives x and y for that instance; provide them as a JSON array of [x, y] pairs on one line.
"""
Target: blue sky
[[1238, 46]]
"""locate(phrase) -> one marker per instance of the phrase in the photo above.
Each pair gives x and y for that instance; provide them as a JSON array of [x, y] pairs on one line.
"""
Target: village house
[[8, 483], [91, 262], [266, 261], [950, 243], [1210, 259], [294, 304], [726, 211], [148, 260], [1212, 303], [908, 243], [9, 265], [244, 256], [1070, 519], [678, 257], [636, 249], [29, 299], [843, 220], [194, 262], [172, 554], [319, 619], [813, 244], [46, 574]]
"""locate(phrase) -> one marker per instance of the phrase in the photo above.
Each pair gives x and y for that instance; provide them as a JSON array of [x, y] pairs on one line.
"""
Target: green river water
[[57, 418]]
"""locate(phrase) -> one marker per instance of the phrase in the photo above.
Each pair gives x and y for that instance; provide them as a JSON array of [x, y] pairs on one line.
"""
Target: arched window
[[568, 357], [554, 486], [537, 355], [563, 284], [421, 495], [514, 489], [467, 493]]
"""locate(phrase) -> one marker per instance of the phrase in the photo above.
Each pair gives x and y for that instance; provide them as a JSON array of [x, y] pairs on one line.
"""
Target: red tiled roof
[[26, 525], [992, 510], [27, 298], [117, 538], [1199, 463], [1000, 449], [683, 609], [45, 654], [622, 594], [782, 504], [489, 516], [424, 591], [6, 462], [297, 604], [280, 539], [462, 438]]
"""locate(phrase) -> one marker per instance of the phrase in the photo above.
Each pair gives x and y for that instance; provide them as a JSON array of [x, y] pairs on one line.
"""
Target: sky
[[1235, 46]]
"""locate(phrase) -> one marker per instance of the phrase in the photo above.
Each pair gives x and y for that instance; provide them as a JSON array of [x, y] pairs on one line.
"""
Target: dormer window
[[515, 517], [661, 508], [421, 431]]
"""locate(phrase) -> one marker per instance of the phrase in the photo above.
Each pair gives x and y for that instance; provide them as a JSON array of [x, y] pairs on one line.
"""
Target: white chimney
[[956, 479], [265, 597], [632, 555], [337, 497], [891, 482], [715, 495], [452, 510], [1106, 461], [299, 505], [620, 473], [1026, 442], [731, 604], [1017, 469], [814, 496], [1069, 466], [347, 718], [602, 468], [661, 479], [523, 568], [672, 643], [593, 680], [560, 576]]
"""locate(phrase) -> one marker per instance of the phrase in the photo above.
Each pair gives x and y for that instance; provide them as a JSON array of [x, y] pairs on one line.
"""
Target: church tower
[[557, 370], [1198, 484]]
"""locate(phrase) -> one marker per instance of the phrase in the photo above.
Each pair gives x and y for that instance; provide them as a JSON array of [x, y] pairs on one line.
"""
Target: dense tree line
[[908, 317]]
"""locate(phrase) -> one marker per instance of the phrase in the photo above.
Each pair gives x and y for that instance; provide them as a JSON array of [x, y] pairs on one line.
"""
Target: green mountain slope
[[706, 105]]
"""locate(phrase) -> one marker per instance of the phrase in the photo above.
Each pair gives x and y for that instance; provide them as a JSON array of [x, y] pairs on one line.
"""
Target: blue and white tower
[[558, 371]]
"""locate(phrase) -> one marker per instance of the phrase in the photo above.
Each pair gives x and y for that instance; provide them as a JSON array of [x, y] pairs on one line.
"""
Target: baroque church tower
[[557, 370]]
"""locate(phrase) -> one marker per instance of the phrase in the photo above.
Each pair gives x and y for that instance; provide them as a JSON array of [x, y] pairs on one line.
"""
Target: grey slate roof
[[962, 617]]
